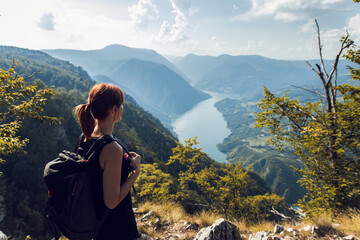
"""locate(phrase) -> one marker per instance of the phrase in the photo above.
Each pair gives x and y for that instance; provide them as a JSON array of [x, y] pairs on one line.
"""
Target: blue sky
[[281, 29]]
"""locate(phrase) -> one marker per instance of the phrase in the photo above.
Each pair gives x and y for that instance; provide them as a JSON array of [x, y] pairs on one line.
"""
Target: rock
[[335, 225], [2, 236], [260, 236], [143, 236], [309, 228], [278, 229], [147, 216], [350, 237], [221, 229], [191, 226], [170, 237]]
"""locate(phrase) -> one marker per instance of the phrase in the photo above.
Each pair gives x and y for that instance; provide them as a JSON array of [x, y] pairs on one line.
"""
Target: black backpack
[[70, 208]]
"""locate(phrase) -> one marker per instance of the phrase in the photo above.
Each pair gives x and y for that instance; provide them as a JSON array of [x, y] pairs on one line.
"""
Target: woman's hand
[[135, 160]]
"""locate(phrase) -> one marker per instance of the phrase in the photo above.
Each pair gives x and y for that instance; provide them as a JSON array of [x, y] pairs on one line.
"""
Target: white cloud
[[176, 32], [288, 16], [47, 22], [286, 10], [309, 26], [142, 13], [181, 6], [354, 28]]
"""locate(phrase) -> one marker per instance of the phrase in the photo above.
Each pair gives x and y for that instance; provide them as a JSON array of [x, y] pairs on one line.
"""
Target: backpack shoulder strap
[[99, 144], [80, 140]]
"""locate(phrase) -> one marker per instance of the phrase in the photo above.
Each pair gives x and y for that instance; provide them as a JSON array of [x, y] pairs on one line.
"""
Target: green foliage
[[225, 188], [248, 143], [22, 184], [18, 101], [353, 55], [324, 134], [25, 193], [190, 157], [53, 72], [153, 185]]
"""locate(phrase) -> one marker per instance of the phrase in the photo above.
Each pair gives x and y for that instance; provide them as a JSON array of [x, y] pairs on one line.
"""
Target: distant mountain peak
[[119, 47]]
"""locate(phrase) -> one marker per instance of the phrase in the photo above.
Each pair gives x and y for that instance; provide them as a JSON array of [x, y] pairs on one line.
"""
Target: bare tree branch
[[32, 74], [315, 92], [344, 44], [320, 74], [273, 210], [320, 50]]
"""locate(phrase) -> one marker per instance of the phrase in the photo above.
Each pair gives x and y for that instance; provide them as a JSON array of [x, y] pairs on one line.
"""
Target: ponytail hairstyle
[[102, 97]]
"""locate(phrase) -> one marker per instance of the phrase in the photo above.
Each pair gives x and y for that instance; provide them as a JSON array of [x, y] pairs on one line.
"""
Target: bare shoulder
[[111, 153]]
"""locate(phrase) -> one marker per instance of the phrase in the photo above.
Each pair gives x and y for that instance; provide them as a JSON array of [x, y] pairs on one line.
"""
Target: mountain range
[[246, 75], [23, 192], [155, 82], [168, 89]]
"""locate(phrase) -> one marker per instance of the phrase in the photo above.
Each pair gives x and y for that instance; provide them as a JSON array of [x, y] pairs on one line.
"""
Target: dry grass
[[205, 218], [349, 223], [342, 225], [324, 223], [167, 210], [260, 226]]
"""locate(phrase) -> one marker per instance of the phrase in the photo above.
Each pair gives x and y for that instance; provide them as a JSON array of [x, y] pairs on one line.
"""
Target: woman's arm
[[111, 162]]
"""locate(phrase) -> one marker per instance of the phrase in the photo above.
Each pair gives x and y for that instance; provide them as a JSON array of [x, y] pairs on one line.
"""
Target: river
[[205, 122]]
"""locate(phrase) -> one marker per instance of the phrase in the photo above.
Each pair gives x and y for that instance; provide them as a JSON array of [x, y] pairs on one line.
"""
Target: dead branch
[[344, 44], [32, 74], [314, 92], [320, 50], [273, 210], [320, 74]]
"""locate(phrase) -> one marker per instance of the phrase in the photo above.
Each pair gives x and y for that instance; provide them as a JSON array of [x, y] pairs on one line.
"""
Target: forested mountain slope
[[22, 185]]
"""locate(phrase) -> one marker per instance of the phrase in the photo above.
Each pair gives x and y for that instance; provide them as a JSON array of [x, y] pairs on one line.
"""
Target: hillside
[[246, 75], [138, 69], [21, 184], [102, 61], [248, 143], [243, 78], [158, 86]]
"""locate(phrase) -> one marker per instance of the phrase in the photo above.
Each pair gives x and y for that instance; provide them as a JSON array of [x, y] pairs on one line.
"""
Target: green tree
[[224, 187], [324, 134], [226, 191], [190, 158], [19, 100], [153, 185]]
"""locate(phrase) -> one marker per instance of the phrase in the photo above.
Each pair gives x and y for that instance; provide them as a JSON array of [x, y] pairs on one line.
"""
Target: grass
[[174, 216], [349, 223], [172, 211], [205, 218]]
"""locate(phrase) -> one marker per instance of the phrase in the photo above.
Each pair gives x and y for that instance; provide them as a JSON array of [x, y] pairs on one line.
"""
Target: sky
[[280, 29]]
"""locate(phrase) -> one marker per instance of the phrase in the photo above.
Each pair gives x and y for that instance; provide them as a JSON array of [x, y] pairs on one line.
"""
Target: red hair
[[101, 98]]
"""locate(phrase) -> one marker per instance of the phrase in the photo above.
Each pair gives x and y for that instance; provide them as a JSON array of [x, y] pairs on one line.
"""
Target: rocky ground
[[154, 227]]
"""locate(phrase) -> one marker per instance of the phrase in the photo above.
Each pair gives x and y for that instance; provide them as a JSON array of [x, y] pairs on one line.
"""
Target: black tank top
[[120, 223]]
